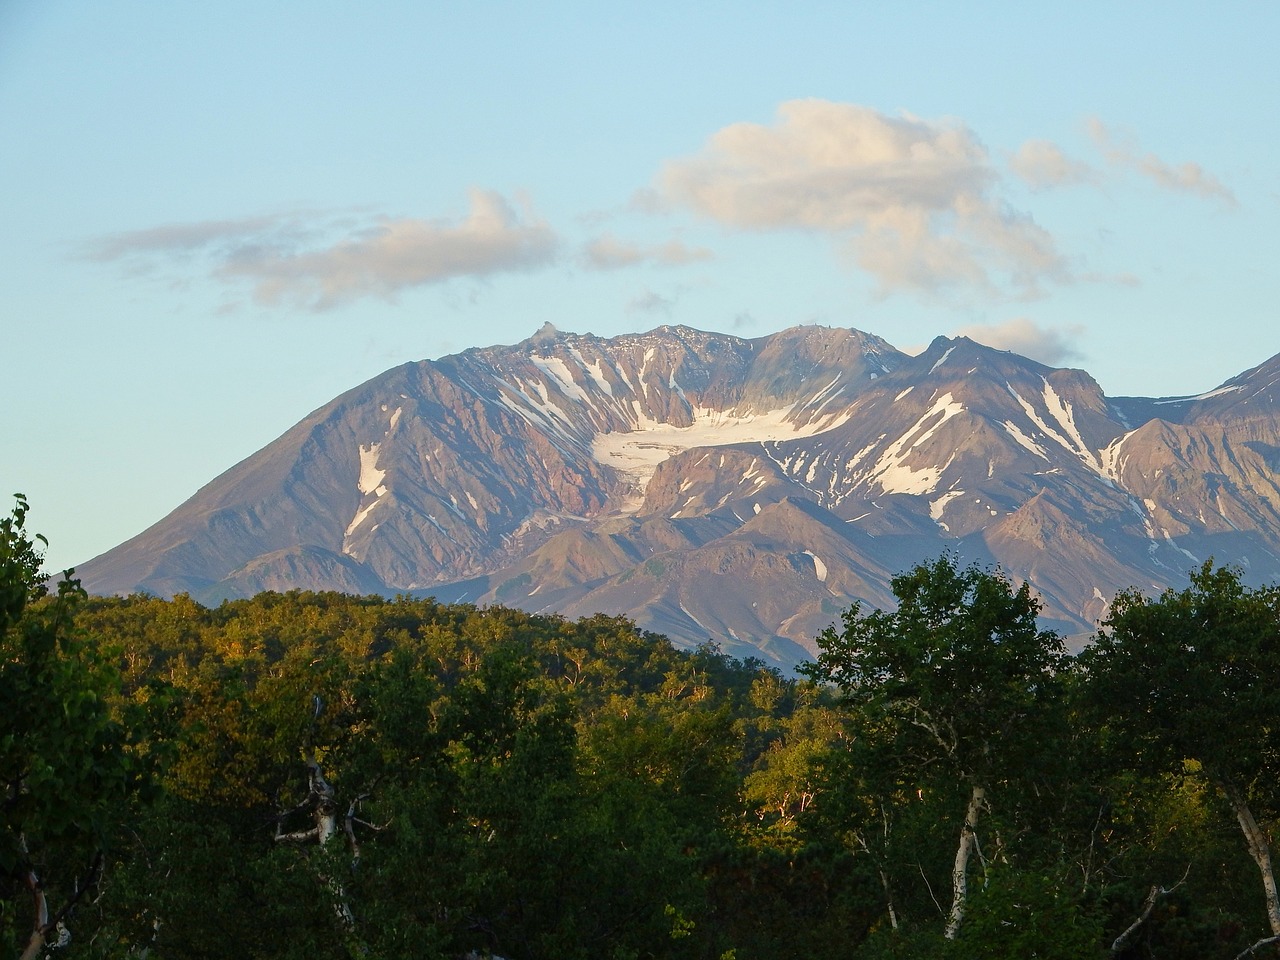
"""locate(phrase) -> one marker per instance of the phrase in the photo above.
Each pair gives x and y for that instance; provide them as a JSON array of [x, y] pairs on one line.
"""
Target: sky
[[217, 217]]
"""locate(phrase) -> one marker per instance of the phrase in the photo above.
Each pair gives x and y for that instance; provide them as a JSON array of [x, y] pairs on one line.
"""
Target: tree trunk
[[888, 899], [1259, 849], [40, 926], [960, 872]]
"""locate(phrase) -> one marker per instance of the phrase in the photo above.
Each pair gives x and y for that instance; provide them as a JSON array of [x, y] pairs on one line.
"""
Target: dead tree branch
[[1154, 895]]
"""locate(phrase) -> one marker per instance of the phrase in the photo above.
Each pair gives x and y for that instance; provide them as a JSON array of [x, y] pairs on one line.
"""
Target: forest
[[318, 775]]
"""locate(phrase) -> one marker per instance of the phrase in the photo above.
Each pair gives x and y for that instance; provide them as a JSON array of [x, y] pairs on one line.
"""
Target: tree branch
[[1153, 897], [1250, 951]]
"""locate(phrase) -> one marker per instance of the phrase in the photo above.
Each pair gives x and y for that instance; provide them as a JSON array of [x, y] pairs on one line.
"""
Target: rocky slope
[[741, 491]]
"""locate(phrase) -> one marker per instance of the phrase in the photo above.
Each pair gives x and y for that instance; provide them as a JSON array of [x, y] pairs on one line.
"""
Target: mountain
[[741, 491]]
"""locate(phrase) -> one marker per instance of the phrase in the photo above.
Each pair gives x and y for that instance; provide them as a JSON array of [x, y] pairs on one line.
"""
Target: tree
[[958, 679], [1191, 675], [68, 765]]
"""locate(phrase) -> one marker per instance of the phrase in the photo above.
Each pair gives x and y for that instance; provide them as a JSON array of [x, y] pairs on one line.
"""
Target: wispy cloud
[[180, 238], [916, 200], [320, 262], [650, 302], [1042, 163], [607, 252], [1121, 150], [1049, 345]]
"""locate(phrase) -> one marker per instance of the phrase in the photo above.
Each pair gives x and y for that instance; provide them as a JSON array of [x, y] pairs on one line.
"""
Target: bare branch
[[929, 887], [1153, 897], [95, 871], [1250, 951], [1149, 904], [348, 827]]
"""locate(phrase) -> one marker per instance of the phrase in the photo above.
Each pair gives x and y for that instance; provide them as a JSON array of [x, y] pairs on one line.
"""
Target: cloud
[[1122, 151], [1049, 345], [650, 302], [319, 264], [915, 200], [1042, 164], [183, 237], [609, 253]]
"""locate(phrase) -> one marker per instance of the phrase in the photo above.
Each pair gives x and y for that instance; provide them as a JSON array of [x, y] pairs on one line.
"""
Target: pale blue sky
[[216, 217]]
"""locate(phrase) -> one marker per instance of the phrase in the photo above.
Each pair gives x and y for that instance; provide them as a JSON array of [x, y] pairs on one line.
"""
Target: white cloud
[[607, 252], [396, 254], [1053, 346], [914, 198], [1042, 163], [317, 263], [1122, 150]]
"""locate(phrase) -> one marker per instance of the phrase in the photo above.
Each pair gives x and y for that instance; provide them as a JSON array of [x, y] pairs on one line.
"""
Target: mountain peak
[[717, 487], [546, 334]]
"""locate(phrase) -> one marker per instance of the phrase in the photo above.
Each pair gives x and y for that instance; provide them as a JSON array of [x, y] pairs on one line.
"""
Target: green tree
[[69, 763], [1190, 676], [959, 680]]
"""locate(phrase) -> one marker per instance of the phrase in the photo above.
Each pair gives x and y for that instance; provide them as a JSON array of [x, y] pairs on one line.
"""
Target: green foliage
[[73, 760], [953, 699], [957, 672], [1182, 690], [1190, 674], [1018, 915], [1030, 913], [534, 787]]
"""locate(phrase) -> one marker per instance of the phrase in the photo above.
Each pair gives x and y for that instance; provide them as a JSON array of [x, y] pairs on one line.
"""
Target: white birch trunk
[[960, 871], [888, 899], [35, 946], [1259, 849]]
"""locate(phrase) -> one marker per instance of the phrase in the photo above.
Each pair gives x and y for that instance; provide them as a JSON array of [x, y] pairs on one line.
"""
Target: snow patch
[[636, 453], [360, 517], [558, 370], [823, 396], [699, 623], [936, 507], [1110, 457], [1203, 396], [1186, 553], [819, 567], [597, 374], [553, 418], [1146, 516], [1062, 413], [1024, 441], [891, 470], [673, 385], [942, 359], [370, 476]]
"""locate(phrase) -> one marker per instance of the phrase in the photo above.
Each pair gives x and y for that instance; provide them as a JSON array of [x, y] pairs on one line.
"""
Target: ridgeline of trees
[[315, 775]]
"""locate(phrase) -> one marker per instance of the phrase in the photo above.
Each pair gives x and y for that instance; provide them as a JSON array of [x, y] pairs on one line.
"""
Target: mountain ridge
[[737, 490]]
